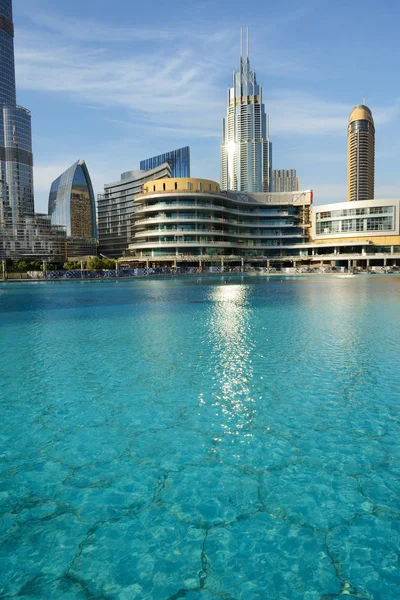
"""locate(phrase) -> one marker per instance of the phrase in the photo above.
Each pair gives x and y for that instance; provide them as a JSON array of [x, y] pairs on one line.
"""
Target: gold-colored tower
[[361, 154]]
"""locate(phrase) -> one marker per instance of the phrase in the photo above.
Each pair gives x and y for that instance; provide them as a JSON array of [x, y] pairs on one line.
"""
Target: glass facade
[[16, 160], [72, 204], [195, 220], [116, 208], [7, 72], [360, 219], [178, 160], [246, 152]]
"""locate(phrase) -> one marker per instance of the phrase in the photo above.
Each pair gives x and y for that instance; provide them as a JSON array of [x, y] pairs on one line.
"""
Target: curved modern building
[[16, 160], [193, 218], [72, 204], [361, 154]]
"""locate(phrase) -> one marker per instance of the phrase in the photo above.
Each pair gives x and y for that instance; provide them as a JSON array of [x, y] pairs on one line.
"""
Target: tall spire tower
[[16, 162], [246, 160]]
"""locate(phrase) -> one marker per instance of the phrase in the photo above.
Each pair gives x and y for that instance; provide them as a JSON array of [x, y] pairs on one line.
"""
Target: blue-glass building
[[178, 160], [72, 204], [16, 160]]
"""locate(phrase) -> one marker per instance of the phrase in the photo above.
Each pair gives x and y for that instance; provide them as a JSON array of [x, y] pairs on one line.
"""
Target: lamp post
[[116, 264]]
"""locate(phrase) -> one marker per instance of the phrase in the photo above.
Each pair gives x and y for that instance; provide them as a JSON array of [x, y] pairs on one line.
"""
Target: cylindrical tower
[[361, 154]]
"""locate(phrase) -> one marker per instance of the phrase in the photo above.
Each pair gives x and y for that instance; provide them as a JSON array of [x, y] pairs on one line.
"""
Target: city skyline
[[307, 91]]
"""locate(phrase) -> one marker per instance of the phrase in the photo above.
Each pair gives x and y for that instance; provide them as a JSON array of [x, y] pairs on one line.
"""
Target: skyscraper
[[284, 180], [72, 203], [16, 161], [116, 208], [361, 154], [178, 160], [246, 150]]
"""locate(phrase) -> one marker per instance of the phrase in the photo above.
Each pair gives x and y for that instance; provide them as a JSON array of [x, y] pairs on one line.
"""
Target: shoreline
[[169, 276]]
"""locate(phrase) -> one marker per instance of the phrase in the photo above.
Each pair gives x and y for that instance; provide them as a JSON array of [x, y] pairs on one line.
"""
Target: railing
[[197, 205], [280, 223], [181, 191], [203, 232]]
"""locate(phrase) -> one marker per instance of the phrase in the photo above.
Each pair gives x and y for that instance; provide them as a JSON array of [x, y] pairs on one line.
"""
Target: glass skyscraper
[[16, 161], [246, 150], [72, 203], [178, 160]]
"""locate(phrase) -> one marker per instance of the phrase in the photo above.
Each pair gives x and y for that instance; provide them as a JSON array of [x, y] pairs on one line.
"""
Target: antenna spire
[[247, 44], [241, 42]]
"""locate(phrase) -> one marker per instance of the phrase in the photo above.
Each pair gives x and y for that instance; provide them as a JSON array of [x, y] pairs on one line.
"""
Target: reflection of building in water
[[72, 204], [232, 346]]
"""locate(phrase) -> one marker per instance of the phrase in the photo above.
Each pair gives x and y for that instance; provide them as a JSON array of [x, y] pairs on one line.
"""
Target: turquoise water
[[200, 438]]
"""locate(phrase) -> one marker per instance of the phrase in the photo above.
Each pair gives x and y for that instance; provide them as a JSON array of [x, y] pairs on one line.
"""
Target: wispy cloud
[[175, 74]]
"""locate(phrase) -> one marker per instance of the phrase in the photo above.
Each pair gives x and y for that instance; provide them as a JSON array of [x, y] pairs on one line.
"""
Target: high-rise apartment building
[[178, 160], [246, 150], [284, 180], [361, 154], [16, 161], [116, 208]]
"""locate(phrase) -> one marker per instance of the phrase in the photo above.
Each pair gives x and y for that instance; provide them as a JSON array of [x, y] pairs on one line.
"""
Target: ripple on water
[[200, 439], [264, 557]]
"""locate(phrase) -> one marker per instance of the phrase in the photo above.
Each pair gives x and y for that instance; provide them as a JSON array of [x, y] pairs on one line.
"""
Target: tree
[[96, 263], [71, 265]]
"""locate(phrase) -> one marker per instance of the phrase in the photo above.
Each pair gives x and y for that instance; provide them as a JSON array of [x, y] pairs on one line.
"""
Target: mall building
[[192, 220], [187, 221]]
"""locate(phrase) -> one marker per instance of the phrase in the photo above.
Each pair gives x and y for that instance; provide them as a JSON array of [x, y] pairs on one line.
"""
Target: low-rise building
[[191, 218]]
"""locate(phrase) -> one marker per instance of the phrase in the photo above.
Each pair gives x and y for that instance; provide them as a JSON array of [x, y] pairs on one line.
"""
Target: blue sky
[[115, 86]]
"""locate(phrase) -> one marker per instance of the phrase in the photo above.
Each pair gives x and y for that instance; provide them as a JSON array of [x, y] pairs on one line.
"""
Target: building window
[[163, 187], [154, 188], [380, 224], [200, 187], [176, 185], [189, 185]]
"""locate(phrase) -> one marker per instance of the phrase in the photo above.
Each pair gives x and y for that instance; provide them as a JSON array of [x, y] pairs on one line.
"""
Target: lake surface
[[232, 438]]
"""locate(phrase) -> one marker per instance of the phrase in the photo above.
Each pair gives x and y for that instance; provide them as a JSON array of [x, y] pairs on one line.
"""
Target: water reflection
[[231, 349]]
